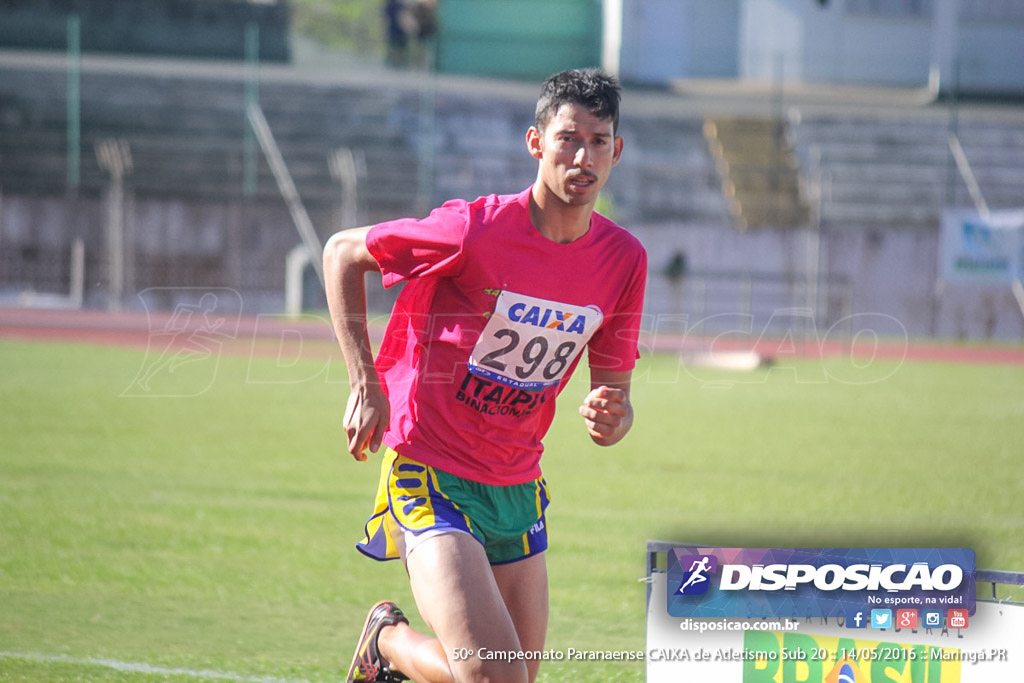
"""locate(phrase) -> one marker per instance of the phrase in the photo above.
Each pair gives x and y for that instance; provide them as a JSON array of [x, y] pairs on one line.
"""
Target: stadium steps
[[187, 137], [667, 173], [895, 173], [995, 151], [758, 170]]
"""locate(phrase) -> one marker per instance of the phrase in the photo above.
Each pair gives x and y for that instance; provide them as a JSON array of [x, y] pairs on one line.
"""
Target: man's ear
[[619, 143], [535, 142]]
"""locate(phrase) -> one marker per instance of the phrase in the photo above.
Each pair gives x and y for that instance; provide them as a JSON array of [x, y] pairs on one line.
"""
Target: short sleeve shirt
[[490, 324]]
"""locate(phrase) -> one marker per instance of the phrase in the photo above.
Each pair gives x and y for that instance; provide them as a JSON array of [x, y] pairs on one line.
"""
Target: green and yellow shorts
[[415, 501]]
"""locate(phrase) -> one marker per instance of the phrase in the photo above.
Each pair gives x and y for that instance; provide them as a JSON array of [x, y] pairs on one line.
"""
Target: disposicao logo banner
[[820, 582]]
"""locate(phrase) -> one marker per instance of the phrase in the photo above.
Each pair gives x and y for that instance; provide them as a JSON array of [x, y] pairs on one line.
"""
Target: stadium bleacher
[[422, 139], [893, 173]]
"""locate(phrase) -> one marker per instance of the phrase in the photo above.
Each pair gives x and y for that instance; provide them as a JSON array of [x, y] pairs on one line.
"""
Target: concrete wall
[[989, 56], [828, 45], [772, 35], [196, 28], [883, 283], [976, 45], [662, 40], [878, 250]]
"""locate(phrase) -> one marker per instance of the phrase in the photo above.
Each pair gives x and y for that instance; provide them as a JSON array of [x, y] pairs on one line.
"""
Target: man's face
[[576, 151]]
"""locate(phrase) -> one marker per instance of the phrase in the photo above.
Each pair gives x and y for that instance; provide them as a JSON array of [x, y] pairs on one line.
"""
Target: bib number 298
[[530, 343], [533, 355]]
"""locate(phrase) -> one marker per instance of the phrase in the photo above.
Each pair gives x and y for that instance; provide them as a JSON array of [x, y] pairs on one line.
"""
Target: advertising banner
[[827, 615], [818, 582], [982, 249], [987, 648]]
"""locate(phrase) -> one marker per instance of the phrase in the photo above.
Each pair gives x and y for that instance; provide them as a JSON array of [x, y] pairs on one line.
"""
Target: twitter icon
[[881, 618]]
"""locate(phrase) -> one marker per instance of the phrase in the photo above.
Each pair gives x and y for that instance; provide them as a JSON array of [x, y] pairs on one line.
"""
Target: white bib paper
[[530, 343]]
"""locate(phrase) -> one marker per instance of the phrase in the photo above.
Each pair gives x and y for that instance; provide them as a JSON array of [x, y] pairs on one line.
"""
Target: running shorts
[[415, 501]]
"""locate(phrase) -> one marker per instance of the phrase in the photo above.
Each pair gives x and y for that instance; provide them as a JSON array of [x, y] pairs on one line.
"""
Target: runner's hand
[[366, 418], [607, 414]]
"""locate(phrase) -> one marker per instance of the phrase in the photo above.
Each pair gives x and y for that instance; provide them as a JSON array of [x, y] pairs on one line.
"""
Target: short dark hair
[[590, 88]]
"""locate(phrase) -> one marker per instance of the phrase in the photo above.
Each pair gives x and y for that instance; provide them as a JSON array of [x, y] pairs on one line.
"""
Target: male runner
[[501, 296]]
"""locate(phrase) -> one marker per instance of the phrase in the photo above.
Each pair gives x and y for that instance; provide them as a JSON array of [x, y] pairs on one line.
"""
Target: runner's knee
[[494, 667]]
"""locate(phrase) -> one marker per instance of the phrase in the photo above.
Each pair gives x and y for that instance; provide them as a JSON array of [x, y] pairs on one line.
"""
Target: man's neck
[[558, 221]]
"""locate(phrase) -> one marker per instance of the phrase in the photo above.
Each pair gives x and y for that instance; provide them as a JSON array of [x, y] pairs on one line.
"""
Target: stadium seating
[[898, 172], [191, 218]]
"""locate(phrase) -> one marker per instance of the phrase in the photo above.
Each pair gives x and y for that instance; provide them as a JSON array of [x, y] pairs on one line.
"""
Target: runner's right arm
[[346, 262]]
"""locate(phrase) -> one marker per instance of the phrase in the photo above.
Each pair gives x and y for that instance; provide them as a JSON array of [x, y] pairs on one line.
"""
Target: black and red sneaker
[[366, 666]]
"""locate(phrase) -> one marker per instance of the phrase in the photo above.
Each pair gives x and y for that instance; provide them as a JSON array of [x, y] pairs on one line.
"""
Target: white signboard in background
[[982, 249], [989, 650]]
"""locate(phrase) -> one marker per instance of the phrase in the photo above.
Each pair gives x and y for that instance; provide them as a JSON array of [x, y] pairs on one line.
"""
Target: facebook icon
[[856, 618]]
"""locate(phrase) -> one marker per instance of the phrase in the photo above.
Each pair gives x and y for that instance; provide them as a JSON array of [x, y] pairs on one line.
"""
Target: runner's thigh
[[457, 596], [524, 588]]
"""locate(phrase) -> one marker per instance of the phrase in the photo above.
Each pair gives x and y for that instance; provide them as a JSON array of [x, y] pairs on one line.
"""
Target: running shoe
[[366, 667]]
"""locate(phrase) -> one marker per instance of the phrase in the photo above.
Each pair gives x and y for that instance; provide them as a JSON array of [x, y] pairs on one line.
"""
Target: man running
[[501, 296]]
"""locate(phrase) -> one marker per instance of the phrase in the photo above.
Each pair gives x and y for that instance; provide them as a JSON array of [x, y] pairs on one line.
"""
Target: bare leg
[[459, 597], [524, 588], [414, 654]]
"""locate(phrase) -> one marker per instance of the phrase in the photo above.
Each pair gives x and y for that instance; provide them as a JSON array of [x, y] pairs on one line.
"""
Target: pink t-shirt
[[491, 322]]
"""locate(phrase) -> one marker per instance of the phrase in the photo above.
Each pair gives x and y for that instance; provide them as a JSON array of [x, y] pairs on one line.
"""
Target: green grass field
[[146, 537]]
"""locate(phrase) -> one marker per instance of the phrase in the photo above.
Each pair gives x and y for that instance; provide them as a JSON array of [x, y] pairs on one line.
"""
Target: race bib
[[531, 343]]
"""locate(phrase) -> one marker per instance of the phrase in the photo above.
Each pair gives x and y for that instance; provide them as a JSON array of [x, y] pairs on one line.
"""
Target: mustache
[[582, 174]]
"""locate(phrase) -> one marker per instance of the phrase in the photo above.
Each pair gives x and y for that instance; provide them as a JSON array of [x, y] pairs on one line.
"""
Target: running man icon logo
[[697, 577], [188, 327]]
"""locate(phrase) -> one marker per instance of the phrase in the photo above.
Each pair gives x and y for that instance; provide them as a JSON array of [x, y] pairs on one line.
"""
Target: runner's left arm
[[607, 411]]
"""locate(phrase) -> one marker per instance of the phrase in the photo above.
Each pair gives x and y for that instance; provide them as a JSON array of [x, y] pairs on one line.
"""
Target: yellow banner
[[770, 657]]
